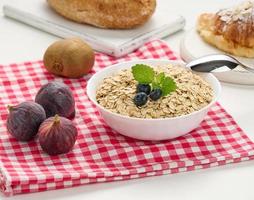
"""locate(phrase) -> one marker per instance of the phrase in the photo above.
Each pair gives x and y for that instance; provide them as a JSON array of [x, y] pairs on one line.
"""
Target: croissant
[[114, 14], [230, 30]]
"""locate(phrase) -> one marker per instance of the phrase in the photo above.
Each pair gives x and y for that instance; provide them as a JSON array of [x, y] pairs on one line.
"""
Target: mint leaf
[[158, 79], [168, 85], [143, 73]]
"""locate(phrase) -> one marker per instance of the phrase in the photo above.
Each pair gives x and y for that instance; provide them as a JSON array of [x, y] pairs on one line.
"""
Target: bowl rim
[[88, 92]]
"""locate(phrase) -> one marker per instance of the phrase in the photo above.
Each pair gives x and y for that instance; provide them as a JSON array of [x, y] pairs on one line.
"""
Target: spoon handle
[[245, 66]]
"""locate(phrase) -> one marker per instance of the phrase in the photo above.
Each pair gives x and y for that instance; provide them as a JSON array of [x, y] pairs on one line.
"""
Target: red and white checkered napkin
[[100, 154]]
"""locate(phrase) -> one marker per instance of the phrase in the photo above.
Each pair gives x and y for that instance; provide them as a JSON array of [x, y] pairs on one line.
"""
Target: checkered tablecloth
[[100, 154]]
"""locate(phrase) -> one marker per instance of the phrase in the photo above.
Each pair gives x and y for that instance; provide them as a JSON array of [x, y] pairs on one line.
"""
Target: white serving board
[[117, 43], [193, 46]]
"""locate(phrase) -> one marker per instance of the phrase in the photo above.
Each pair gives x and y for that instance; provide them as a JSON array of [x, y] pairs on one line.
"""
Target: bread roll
[[114, 14]]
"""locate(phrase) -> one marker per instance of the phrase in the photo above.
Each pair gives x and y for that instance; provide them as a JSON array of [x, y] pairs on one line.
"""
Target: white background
[[19, 43]]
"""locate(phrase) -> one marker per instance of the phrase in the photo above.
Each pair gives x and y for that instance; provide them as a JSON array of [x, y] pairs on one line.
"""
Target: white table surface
[[19, 42]]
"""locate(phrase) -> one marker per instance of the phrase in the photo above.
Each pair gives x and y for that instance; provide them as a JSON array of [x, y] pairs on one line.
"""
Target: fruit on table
[[146, 88], [56, 98], [155, 94], [140, 99], [24, 120], [57, 135], [71, 58]]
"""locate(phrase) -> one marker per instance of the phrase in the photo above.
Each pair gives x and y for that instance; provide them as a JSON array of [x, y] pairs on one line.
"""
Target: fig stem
[[56, 119], [10, 108]]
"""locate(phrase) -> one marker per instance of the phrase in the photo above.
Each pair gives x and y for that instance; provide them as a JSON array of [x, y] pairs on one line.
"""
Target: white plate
[[192, 46]]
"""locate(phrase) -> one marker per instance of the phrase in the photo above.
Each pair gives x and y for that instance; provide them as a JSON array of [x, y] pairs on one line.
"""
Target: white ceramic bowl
[[149, 129]]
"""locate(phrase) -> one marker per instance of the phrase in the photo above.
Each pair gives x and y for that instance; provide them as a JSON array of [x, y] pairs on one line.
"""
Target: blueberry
[[146, 88], [140, 99], [155, 94]]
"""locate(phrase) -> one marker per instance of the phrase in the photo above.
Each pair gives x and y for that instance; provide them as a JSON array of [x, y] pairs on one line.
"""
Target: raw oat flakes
[[116, 94]]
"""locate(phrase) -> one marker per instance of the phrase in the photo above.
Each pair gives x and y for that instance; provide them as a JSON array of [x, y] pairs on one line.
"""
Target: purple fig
[[56, 98], [57, 135], [24, 120]]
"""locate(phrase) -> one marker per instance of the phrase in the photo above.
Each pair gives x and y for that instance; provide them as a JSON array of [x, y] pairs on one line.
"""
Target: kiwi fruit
[[72, 58]]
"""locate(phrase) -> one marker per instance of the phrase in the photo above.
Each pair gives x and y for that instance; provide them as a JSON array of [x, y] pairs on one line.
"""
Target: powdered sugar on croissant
[[231, 30]]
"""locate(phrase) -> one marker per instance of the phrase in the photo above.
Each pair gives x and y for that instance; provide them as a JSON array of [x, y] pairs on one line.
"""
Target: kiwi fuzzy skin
[[71, 58]]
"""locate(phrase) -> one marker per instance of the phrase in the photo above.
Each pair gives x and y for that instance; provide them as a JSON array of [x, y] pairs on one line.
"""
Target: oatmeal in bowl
[[117, 93], [152, 99]]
